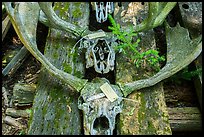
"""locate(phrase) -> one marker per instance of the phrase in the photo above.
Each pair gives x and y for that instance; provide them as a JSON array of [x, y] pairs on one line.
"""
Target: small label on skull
[[109, 92]]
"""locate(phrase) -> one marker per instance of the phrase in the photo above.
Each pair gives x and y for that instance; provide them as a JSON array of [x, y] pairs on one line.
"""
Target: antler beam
[[180, 53], [156, 15], [58, 23], [24, 18]]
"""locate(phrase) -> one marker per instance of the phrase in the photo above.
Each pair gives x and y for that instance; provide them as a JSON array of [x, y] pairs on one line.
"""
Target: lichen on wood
[[147, 114], [55, 109]]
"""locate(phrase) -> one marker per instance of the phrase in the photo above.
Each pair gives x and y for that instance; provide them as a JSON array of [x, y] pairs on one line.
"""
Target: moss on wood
[[55, 108], [148, 115]]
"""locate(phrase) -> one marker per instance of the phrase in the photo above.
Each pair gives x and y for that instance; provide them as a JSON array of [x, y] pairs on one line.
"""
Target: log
[[16, 62], [17, 113], [12, 121], [186, 119], [23, 94], [148, 116], [55, 107]]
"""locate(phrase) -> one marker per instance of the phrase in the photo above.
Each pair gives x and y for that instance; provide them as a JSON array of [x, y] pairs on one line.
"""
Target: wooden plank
[[55, 107], [185, 119], [16, 62], [109, 92], [17, 113], [148, 115], [6, 23]]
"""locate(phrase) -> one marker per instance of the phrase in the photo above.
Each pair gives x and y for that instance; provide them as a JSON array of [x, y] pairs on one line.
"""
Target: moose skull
[[99, 113], [100, 53]]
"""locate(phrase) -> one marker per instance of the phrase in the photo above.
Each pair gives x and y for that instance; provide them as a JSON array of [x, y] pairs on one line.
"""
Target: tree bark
[[55, 109]]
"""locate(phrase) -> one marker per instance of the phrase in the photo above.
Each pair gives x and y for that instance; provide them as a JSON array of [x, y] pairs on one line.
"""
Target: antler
[[180, 53], [57, 22], [24, 19], [156, 15]]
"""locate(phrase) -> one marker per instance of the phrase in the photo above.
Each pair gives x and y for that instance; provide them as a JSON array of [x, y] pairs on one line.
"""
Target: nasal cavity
[[101, 123]]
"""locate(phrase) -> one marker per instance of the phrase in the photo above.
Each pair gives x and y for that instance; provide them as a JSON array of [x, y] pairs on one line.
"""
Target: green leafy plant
[[150, 56]]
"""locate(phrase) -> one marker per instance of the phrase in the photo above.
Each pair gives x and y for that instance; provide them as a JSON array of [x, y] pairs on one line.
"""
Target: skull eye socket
[[101, 123], [90, 109]]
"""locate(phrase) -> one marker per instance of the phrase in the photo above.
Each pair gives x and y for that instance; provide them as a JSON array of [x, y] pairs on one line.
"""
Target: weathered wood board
[[148, 115], [185, 119], [55, 105]]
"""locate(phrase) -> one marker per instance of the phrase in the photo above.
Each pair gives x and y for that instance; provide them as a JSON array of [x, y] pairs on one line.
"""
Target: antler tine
[[25, 19], [157, 13], [57, 22]]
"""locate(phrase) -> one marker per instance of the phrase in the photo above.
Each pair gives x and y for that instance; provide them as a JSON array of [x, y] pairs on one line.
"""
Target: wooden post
[[148, 115], [55, 108]]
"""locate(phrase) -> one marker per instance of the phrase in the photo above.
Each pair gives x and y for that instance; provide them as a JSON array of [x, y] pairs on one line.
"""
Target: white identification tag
[[109, 92]]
